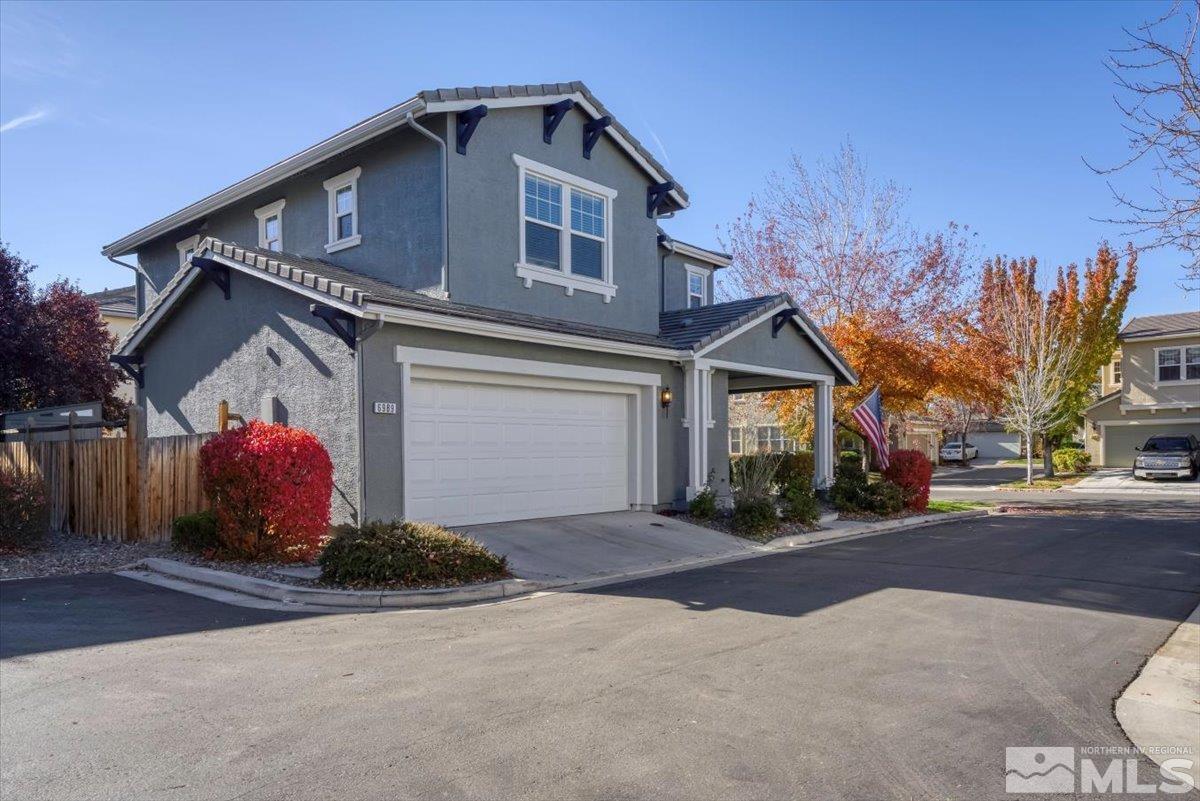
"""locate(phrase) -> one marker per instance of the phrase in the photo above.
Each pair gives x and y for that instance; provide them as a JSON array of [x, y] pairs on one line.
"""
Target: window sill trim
[[1179, 382], [342, 244], [530, 273]]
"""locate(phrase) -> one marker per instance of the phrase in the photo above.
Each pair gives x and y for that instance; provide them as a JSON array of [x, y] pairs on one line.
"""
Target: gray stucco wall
[[382, 433], [399, 207], [263, 341], [485, 227], [675, 281], [792, 350]]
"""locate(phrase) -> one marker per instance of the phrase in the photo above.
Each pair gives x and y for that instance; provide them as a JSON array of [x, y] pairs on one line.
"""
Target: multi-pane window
[[270, 226], [1179, 364], [1116, 372], [566, 235], [543, 222], [735, 441], [697, 289], [772, 440], [587, 234], [343, 210]]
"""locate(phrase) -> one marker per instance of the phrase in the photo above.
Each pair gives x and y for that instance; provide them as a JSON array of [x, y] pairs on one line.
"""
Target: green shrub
[[755, 518], [401, 553], [847, 456], [24, 517], [849, 488], [1071, 460], [800, 503], [795, 468], [196, 533], [704, 505], [753, 476], [884, 498]]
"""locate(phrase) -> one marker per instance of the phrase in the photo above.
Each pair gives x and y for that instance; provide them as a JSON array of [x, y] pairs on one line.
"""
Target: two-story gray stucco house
[[1152, 386], [469, 299]]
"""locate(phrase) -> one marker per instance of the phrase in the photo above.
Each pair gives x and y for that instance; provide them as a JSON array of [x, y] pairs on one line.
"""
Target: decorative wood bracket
[[341, 323], [591, 134], [551, 116], [655, 195], [468, 121], [779, 320], [215, 271], [131, 366]]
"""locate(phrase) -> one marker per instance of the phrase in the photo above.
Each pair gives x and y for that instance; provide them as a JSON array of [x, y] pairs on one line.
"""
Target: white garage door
[[481, 453]]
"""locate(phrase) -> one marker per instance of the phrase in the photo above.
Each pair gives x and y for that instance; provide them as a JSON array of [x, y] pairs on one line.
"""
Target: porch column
[[697, 420], [823, 439]]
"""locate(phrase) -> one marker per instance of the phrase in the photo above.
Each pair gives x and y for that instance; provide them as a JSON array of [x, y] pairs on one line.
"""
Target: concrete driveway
[[980, 474], [1121, 480], [587, 546], [897, 666]]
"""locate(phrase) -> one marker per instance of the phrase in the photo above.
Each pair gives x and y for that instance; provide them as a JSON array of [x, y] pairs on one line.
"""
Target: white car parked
[[952, 452]]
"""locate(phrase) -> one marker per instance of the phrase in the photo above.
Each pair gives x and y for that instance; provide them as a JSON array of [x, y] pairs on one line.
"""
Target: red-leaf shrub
[[24, 517], [912, 472], [270, 487]]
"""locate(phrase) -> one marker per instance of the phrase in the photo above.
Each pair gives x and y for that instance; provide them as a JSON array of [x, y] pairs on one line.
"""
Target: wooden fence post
[[222, 416], [134, 433], [71, 473]]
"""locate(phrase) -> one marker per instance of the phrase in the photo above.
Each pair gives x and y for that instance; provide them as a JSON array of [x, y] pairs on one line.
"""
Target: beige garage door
[[1120, 441], [482, 453]]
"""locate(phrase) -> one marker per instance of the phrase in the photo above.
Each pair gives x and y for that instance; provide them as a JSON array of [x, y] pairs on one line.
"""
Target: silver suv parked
[[1168, 456]]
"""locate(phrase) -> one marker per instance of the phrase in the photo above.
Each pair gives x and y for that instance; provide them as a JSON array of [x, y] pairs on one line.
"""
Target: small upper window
[[1116, 372], [343, 210], [697, 287], [186, 248], [270, 225]]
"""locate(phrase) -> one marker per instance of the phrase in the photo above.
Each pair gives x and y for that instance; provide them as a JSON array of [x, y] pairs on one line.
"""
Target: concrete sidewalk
[[1160, 709]]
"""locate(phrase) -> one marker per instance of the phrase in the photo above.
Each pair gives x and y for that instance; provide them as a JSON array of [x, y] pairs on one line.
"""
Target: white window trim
[[332, 186], [1183, 379], [265, 213], [702, 273], [529, 273], [183, 246]]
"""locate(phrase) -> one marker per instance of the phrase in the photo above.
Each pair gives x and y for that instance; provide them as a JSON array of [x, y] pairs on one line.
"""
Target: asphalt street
[[897, 666]]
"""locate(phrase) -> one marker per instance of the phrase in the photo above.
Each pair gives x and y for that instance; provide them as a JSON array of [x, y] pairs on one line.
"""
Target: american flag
[[869, 416]]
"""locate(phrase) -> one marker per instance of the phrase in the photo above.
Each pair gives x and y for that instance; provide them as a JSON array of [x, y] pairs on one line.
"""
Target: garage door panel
[[488, 452]]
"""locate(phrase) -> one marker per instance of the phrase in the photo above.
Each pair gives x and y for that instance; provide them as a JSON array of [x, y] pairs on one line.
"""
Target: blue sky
[[112, 115]]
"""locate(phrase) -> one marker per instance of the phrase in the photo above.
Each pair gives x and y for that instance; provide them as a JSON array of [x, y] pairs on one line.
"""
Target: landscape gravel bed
[[70, 554], [724, 524]]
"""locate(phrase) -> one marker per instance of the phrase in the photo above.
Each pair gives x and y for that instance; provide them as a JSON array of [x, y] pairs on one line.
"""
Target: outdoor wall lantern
[[665, 397]]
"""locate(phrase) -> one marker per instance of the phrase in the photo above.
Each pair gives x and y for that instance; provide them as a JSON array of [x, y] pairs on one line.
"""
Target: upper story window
[[697, 287], [270, 225], [565, 230], [343, 210], [186, 248], [1178, 364], [1116, 372]]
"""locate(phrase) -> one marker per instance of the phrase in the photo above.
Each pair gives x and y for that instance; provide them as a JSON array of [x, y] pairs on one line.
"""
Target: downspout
[[662, 271], [138, 393], [428, 134]]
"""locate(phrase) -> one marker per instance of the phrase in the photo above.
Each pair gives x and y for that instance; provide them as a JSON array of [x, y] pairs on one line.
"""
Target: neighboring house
[[994, 441], [755, 428], [118, 310], [917, 434], [1152, 387], [467, 297]]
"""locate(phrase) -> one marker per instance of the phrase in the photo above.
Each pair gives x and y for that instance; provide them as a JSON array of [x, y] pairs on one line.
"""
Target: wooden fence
[[118, 488]]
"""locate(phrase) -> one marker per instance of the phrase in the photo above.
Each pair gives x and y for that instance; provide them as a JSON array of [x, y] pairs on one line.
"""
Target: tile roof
[[687, 328], [357, 289], [485, 93], [1158, 325], [121, 301]]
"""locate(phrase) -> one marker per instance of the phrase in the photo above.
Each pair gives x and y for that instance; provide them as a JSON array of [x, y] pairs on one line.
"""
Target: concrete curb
[[344, 599], [226, 587], [1158, 709], [848, 529]]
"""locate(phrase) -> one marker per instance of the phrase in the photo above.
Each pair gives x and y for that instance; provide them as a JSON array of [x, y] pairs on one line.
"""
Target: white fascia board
[[700, 254], [351, 137], [484, 328], [459, 360], [1159, 337], [774, 372], [449, 106], [1150, 421]]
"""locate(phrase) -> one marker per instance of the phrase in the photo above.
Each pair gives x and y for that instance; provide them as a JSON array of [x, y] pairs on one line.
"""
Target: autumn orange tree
[[884, 292]]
